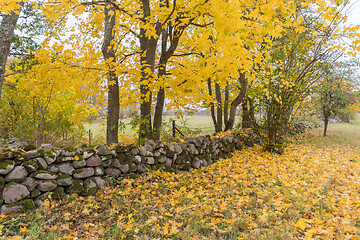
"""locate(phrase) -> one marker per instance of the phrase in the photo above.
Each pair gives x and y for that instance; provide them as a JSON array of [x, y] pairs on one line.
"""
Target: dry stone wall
[[28, 178]]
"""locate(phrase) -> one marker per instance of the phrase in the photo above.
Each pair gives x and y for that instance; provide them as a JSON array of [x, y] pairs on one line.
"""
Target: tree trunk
[[237, 101], [226, 104], [7, 28], [219, 123], [147, 61], [326, 120], [160, 102], [248, 116], [113, 85], [212, 107]]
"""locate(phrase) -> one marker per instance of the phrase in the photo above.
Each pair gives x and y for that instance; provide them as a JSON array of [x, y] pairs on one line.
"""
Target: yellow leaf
[[23, 229], [301, 224]]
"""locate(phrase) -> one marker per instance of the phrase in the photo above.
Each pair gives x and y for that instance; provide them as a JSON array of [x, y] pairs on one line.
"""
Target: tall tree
[[7, 27]]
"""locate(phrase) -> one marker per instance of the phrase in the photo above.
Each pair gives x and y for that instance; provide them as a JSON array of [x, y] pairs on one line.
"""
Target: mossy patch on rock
[[35, 193], [58, 193], [6, 166], [31, 165], [26, 204], [77, 187], [90, 187]]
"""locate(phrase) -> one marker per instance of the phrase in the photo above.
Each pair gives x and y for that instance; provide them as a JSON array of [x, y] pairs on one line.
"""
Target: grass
[[309, 192]]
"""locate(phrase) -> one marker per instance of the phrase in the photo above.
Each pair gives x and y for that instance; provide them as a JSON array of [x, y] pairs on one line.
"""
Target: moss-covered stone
[[2, 157], [9, 184], [29, 147], [35, 193], [69, 148], [31, 165], [90, 187], [6, 166], [58, 193], [49, 153], [78, 171], [77, 187], [2, 182], [26, 204], [133, 176], [41, 151]]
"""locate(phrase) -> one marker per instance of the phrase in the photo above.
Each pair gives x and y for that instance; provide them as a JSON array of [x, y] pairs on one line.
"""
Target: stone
[[15, 192], [77, 187], [84, 172], [68, 153], [93, 161], [46, 146], [66, 168], [115, 163], [90, 187], [58, 193], [49, 160], [104, 151], [124, 168], [99, 171], [6, 209], [42, 163], [41, 198], [65, 180], [106, 163], [178, 149], [112, 172], [135, 151], [162, 160], [2, 183], [203, 162], [100, 182], [141, 168], [192, 149], [44, 175], [33, 154], [6, 166], [157, 154], [173, 139], [31, 165], [53, 169], [196, 164], [209, 162], [137, 159], [30, 183], [150, 160], [17, 207], [35, 193], [18, 174], [142, 151], [79, 164], [168, 163], [171, 147], [148, 147], [46, 185], [87, 154]]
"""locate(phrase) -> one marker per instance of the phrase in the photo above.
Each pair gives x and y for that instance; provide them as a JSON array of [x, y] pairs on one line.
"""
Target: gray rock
[[137, 159], [113, 153], [40, 199], [58, 193], [44, 175], [196, 164], [112, 172], [42, 163], [66, 168], [6, 209], [18, 174], [14, 193], [135, 151], [98, 171], [33, 154], [150, 160], [149, 154], [209, 162], [178, 149], [141, 169], [49, 160], [46, 185], [68, 154], [77, 187], [67, 159], [30, 183], [106, 163], [142, 151], [157, 154], [104, 151], [87, 154], [172, 139], [93, 161], [203, 162], [162, 160], [192, 149], [100, 182], [6, 166], [183, 146], [148, 147], [168, 163], [65, 180], [84, 172], [170, 147], [45, 146], [31, 165], [115, 163], [90, 187], [79, 164], [124, 168], [53, 169]]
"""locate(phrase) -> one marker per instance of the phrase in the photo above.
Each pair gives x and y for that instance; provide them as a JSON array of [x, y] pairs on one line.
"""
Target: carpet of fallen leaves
[[307, 193]]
